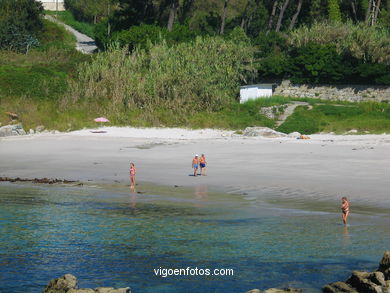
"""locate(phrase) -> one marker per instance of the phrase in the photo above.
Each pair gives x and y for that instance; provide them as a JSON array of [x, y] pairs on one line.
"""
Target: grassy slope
[[31, 85], [67, 18]]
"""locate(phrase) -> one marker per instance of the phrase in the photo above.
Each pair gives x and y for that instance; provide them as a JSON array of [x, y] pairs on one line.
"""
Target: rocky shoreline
[[359, 282], [39, 180]]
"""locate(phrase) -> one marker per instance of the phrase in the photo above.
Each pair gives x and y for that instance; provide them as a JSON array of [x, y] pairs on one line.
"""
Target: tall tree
[[281, 14], [295, 16], [334, 12], [224, 15], [172, 14], [271, 17]]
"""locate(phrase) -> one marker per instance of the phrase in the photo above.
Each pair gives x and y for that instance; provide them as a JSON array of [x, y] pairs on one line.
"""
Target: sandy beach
[[324, 167]]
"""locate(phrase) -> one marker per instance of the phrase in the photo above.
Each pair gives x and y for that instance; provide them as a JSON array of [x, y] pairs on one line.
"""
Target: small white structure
[[54, 5], [254, 91]]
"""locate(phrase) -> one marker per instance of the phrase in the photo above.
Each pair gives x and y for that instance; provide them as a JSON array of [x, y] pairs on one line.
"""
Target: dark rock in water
[[338, 287], [37, 180], [360, 281], [68, 284], [61, 285], [384, 265]]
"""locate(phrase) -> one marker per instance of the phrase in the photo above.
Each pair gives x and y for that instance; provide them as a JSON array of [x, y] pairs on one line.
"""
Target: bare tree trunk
[[224, 14], [295, 16], [368, 13], [353, 5], [243, 19], [271, 18], [172, 14], [279, 24], [376, 13]]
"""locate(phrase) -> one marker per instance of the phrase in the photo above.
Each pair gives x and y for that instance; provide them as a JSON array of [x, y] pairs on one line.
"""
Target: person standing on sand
[[202, 163], [133, 171], [195, 165], [345, 209]]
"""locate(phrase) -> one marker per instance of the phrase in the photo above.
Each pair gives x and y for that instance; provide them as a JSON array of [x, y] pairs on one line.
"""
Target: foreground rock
[[365, 282], [12, 130], [68, 284], [263, 131]]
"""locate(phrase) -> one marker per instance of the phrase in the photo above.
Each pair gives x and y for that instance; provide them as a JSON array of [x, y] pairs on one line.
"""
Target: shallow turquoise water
[[116, 238]]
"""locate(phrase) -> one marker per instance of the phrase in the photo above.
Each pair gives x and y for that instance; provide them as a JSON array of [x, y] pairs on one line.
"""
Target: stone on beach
[[263, 131], [12, 130], [364, 282]]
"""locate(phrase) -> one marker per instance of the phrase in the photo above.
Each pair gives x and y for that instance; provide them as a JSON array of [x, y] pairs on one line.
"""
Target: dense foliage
[[20, 24], [203, 75]]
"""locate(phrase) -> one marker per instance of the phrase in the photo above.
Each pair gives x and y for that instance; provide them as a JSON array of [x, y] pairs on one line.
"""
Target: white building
[[254, 91], [53, 5]]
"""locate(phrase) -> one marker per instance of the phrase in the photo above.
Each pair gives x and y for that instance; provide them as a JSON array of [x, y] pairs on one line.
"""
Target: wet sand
[[323, 168]]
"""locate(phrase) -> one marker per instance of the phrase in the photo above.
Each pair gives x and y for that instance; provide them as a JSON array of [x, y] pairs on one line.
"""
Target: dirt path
[[84, 43], [290, 110]]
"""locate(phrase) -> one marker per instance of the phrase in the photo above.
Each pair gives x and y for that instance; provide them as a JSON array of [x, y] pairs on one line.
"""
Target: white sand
[[324, 167]]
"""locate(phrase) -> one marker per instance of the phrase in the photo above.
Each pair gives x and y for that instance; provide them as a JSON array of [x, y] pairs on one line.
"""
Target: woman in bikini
[[345, 209], [133, 171]]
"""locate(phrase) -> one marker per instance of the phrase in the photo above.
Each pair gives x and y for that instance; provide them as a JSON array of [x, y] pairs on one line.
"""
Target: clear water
[[112, 237]]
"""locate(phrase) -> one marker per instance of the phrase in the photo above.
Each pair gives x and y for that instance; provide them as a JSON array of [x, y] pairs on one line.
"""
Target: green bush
[[316, 63], [139, 36], [20, 22]]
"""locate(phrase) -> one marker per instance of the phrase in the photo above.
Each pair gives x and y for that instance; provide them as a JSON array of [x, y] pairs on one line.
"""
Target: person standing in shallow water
[[133, 171], [345, 209], [195, 165], [202, 163]]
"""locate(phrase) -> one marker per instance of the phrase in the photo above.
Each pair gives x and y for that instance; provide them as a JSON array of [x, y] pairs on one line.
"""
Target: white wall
[[255, 91], [52, 5]]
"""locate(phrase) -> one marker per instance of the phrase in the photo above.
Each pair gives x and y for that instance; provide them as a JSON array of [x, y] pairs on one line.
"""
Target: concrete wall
[[353, 93]]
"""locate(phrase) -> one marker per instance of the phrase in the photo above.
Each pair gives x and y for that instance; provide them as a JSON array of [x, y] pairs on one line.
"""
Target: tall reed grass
[[203, 75]]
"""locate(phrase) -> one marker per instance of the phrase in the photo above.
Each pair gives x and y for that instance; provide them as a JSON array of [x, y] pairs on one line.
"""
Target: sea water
[[119, 238]]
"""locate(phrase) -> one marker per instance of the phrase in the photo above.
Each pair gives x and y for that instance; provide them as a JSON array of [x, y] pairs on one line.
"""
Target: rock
[[12, 130], [387, 287], [291, 290], [338, 287], [39, 128], [294, 134], [31, 131], [377, 278], [253, 291], [384, 265], [352, 131], [262, 131], [360, 281], [62, 284], [112, 290], [81, 291]]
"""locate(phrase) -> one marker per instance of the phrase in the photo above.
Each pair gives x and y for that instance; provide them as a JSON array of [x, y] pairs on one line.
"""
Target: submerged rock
[[263, 131]]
